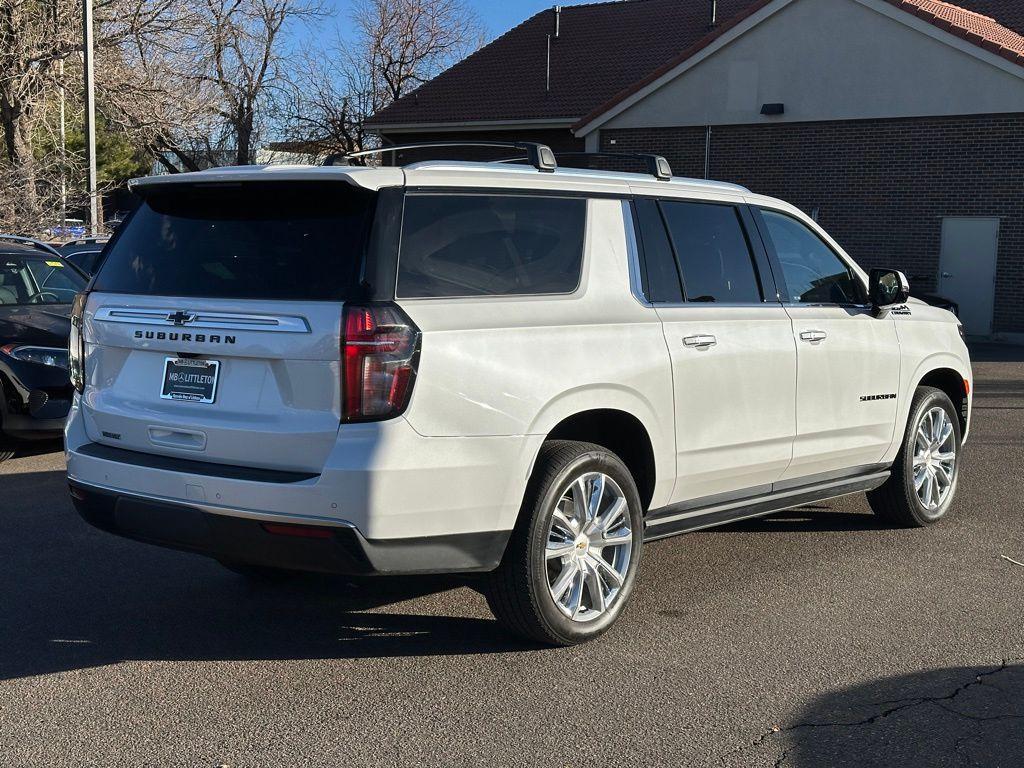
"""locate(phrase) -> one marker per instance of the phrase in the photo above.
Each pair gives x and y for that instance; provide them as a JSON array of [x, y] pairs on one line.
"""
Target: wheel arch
[[621, 433], [945, 373]]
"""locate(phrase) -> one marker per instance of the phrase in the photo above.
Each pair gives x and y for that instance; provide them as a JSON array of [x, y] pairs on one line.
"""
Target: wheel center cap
[[582, 544]]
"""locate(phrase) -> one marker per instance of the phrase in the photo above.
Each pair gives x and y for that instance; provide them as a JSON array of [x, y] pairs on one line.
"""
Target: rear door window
[[713, 252], [490, 245], [301, 241]]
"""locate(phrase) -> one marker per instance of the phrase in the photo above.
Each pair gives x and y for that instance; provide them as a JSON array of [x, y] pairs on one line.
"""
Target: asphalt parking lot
[[814, 637]]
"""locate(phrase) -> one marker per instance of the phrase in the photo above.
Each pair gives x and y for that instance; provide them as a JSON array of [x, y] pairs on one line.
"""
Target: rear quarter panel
[[519, 366]]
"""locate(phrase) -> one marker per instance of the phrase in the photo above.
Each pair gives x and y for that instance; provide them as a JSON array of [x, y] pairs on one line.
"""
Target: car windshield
[[30, 279]]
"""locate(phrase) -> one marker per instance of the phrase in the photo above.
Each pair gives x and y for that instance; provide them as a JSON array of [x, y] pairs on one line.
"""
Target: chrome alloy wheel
[[589, 547], [934, 458]]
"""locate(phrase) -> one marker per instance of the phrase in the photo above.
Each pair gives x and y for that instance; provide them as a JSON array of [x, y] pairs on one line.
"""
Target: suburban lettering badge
[[198, 338]]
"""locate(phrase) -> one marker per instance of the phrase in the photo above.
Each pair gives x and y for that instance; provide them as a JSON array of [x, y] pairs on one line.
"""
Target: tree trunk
[[18, 151], [244, 131]]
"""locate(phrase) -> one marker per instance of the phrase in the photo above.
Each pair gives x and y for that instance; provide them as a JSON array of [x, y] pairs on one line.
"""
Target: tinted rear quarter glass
[[301, 241], [490, 245], [713, 253], [660, 271]]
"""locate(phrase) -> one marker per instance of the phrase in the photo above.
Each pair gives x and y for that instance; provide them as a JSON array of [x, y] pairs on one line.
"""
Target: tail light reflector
[[76, 343], [379, 349]]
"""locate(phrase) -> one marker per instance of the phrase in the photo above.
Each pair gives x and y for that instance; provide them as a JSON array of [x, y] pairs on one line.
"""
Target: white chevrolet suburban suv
[[523, 371]]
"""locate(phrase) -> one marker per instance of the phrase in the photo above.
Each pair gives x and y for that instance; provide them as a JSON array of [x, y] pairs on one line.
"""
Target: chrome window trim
[[633, 255], [209, 320]]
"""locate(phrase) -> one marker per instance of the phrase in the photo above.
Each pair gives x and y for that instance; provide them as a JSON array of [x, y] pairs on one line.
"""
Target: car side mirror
[[888, 287]]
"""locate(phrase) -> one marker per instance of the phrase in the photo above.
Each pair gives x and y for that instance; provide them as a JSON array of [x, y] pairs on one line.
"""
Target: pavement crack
[[979, 718], [900, 706]]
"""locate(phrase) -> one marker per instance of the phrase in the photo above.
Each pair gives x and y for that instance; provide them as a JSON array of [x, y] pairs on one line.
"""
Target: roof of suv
[[443, 173]]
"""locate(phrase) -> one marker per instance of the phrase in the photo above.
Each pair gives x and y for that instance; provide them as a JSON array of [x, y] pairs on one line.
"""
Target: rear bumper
[[34, 400], [30, 428], [36, 414], [394, 501], [383, 478], [236, 536]]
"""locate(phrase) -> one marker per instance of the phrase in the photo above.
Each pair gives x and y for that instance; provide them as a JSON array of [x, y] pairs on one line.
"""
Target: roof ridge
[[600, 2], [916, 8]]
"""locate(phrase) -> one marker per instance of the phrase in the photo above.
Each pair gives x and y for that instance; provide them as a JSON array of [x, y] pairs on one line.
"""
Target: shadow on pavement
[[962, 716], [806, 519], [27, 448], [75, 597]]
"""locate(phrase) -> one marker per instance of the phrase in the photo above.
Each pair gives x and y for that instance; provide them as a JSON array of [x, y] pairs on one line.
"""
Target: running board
[[670, 521]]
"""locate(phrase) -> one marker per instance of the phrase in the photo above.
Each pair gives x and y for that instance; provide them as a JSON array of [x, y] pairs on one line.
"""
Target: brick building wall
[[881, 187]]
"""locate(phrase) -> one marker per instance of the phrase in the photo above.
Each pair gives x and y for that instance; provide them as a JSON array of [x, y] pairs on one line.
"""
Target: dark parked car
[[37, 287], [932, 298], [85, 253]]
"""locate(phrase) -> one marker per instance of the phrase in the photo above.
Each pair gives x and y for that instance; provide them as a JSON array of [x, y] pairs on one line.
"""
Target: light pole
[[63, 150], [90, 112]]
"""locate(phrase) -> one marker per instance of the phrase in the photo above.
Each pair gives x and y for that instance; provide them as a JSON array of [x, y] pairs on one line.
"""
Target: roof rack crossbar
[[38, 244], [657, 166], [538, 155]]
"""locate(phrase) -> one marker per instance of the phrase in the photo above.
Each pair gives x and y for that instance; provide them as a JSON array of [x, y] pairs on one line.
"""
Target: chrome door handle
[[813, 336], [701, 340], [946, 274]]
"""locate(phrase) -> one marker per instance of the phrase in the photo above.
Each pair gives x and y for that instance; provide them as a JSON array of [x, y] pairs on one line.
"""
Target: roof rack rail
[[539, 156], [657, 166], [30, 241]]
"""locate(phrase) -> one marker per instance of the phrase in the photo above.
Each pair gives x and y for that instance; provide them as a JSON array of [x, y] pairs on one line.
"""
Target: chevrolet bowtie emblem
[[181, 318]]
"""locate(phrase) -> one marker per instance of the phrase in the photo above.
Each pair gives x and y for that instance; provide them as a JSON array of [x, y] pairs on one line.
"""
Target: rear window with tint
[[300, 241], [490, 245]]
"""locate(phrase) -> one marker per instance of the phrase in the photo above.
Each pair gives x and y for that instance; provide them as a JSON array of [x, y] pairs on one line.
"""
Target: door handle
[[813, 336], [701, 340], [946, 274]]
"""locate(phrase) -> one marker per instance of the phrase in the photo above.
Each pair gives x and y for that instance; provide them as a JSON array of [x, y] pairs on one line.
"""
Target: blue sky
[[498, 15]]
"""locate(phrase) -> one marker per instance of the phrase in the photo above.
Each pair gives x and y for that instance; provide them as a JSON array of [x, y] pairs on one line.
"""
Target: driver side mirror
[[888, 287]]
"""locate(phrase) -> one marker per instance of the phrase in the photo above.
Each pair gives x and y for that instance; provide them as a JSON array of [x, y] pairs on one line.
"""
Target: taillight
[[379, 347], [76, 343]]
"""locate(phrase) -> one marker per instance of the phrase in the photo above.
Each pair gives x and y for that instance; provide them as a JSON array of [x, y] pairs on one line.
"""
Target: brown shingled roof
[[602, 48], [607, 50]]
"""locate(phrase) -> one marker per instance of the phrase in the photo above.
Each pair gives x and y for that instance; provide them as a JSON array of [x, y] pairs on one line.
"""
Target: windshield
[[300, 241], [31, 279]]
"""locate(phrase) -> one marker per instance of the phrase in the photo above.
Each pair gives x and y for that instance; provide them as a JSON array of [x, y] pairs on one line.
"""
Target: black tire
[[897, 501], [6, 447], [259, 573], [518, 591]]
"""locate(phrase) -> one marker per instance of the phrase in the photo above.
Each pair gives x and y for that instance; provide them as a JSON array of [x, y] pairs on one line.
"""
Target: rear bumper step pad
[[245, 540]]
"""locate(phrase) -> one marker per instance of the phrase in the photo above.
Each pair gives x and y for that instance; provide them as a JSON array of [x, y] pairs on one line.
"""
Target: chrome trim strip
[[224, 321], [633, 255]]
